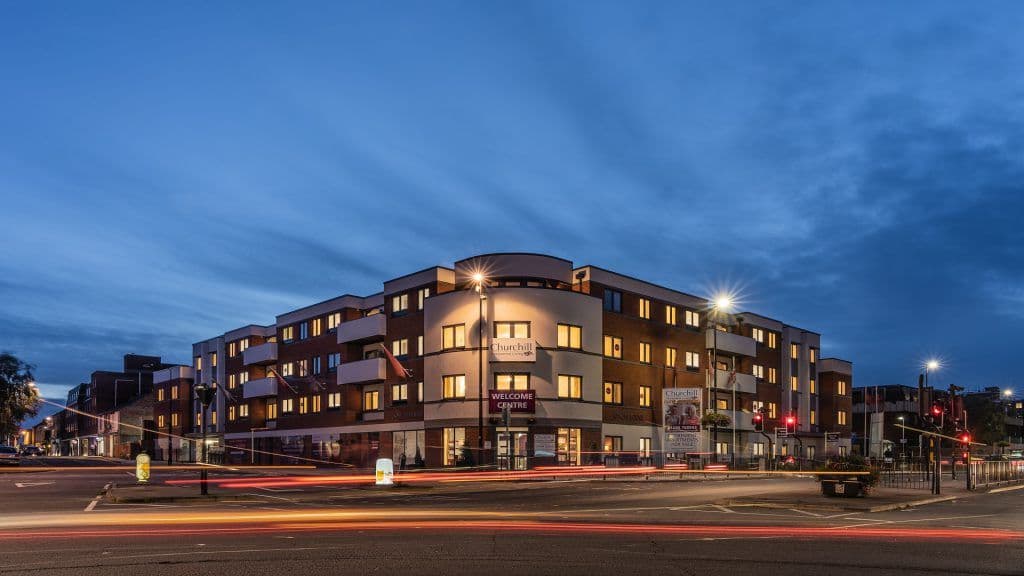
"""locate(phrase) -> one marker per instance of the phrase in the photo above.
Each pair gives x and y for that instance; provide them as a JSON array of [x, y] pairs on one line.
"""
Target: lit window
[[613, 392], [645, 352], [841, 418], [198, 362], [613, 346], [371, 400], [570, 386], [287, 406], [645, 447], [645, 396], [400, 347], [419, 345], [419, 391], [772, 376], [334, 400], [757, 334], [174, 392], [794, 350], [160, 394], [243, 344], [841, 387], [722, 403], [454, 440], [692, 319], [570, 336], [272, 409], [287, 369], [174, 419], [318, 326], [813, 386], [814, 417], [645, 308], [692, 360], [288, 333], [772, 342], [333, 320], [160, 421], [722, 448], [813, 355], [454, 386], [794, 383], [771, 409], [232, 414], [511, 329], [453, 336], [303, 404], [670, 357], [302, 368], [613, 443], [399, 393], [213, 359], [511, 381], [421, 296], [670, 315], [232, 381], [612, 300], [399, 303], [758, 371], [232, 349]]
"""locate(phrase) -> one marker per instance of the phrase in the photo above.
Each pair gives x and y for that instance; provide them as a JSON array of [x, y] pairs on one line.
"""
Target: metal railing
[[989, 473], [906, 473]]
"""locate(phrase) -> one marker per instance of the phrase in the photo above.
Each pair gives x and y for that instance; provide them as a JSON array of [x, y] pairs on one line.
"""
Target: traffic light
[[965, 438], [937, 409], [791, 424], [759, 421]]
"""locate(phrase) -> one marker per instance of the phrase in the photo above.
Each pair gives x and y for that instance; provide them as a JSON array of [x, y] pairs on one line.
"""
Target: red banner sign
[[518, 401]]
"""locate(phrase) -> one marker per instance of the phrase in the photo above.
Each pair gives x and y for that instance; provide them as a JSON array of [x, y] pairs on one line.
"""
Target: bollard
[[142, 468], [385, 472]]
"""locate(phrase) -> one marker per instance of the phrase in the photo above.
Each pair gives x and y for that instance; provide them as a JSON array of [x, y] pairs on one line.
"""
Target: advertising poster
[[682, 410]]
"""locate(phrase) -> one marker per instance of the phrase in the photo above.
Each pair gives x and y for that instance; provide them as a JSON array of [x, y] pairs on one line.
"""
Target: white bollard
[[385, 472]]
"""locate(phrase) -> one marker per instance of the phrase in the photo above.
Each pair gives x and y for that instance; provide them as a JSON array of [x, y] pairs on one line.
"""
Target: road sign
[[781, 433], [832, 437]]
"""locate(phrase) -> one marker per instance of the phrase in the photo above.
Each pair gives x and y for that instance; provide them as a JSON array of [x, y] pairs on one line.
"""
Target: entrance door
[[512, 449]]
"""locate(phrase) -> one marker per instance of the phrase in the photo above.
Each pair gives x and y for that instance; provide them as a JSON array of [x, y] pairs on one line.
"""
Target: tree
[[18, 396]]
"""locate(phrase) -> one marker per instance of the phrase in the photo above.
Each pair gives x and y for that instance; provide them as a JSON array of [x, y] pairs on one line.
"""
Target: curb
[[902, 505], [1006, 489], [30, 470], [839, 508], [113, 498]]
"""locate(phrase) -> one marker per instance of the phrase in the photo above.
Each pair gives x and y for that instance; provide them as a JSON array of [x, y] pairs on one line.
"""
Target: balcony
[[745, 383], [728, 343], [259, 388], [363, 330], [360, 371], [265, 353], [371, 416]]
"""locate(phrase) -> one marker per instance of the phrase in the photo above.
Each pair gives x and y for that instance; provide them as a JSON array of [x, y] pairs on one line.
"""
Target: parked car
[[9, 455], [31, 451]]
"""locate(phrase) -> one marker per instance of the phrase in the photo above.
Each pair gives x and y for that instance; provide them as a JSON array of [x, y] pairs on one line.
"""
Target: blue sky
[[169, 172]]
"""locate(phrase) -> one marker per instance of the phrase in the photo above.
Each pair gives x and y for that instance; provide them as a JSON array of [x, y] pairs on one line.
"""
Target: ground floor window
[[810, 452], [613, 443], [645, 447], [569, 446], [454, 440], [408, 448], [757, 449], [784, 450], [721, 448]]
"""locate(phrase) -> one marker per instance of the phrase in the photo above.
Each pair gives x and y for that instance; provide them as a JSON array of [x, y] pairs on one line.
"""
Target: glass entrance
[[512, 449]]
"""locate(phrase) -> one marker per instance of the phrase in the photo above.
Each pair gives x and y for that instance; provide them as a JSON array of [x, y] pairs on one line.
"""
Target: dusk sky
[[169, 171]]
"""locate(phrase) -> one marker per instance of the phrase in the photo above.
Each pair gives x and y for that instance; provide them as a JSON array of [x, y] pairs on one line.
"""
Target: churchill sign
[[517, 401], [513, 350]]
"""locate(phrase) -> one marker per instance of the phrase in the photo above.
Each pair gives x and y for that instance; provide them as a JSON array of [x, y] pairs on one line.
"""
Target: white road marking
[[97, 499], [723, 509], [31, 484], [816, 515]]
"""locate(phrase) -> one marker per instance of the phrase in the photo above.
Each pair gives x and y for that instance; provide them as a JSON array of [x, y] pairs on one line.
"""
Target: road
[[562, 527]]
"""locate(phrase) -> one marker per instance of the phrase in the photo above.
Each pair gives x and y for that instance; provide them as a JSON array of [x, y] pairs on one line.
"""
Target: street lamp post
[[478, 279], [903, 439], [721, 303], [205, 395]]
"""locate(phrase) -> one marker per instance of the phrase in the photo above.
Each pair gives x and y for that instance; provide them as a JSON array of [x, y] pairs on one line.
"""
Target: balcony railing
[[363, 329], [265, 353], [369, 370], [745, 383], [729, 343], [259, 388]]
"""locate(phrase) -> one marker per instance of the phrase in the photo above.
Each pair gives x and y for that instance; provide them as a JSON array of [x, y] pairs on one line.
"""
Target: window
[[288, 333], [303, 330], [371, 400], [332, 361], [842, 450], [570, 386], [232, 349], [511, 329], [613, 346], [198, 362], [841, 387], [757, 449], [174, 419], [160, 394], [814, 417], [315, 361], [612, 300], [645, 352], [772, 376], [813, 356], [771, 409], [272, 409], [333, 319], [454, 386], [302, 368], [174, 392], [810, 452], [232, 381], [213, 360], [316, 403], [613, 443], [613, 392], [334, 400], [693, 319], [511, 381], [568, 446], [232, 414], [757, 334], [421, 295], [287, 406], [722, 403], [645, 396], [784, 449], [454, 440], [419, 391], [772, 342], [841, 418], [318, 326], [794, 350], [692, 360], [570, 336], [400, 347], [243, 345], [813, 385], [758, 371], [399, 304], [645, 308], [419, 345], [453, 336], [670, 315], [287, 369], [722, 448], [399, 393], [160, 421], [645, 447], [303, 404], [794, 383], [670, 357]]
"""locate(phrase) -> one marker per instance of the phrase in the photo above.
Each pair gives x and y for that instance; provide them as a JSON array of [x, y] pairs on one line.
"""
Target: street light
[[903, 438], [478, 280], [721, 303], [205, 395]]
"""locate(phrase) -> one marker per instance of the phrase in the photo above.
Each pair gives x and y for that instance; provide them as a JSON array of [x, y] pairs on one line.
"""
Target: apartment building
[[581, 357]]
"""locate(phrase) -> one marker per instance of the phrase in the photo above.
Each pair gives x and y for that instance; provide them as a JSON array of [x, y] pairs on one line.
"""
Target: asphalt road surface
[[563, 528]]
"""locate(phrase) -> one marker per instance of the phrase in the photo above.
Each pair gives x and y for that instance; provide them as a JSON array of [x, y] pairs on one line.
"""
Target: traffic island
[[880, 500], [160, 493]]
